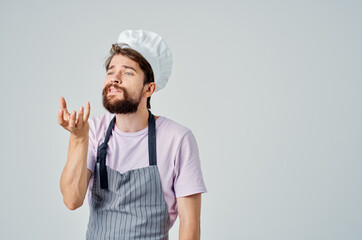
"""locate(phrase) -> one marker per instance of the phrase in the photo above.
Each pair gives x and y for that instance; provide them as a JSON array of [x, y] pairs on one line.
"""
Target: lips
[[113, 90]]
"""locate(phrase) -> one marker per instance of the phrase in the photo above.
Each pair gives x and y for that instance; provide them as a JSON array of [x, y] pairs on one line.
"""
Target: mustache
[[106, 89]]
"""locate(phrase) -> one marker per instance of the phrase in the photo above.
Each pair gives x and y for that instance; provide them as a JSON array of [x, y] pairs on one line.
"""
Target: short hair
[[118, 48]]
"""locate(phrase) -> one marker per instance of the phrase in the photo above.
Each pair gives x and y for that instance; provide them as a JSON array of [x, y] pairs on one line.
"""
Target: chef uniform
[[131, 205]]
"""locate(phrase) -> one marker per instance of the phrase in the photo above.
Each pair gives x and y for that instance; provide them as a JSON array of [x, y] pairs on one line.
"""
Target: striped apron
[[128, 205]]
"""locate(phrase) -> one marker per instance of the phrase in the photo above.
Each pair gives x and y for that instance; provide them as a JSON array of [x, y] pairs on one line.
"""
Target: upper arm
[[92, 148], [187, 175], [189, 208]]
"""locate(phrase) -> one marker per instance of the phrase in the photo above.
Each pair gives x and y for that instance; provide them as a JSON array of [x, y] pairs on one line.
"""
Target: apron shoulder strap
[[152, 139]]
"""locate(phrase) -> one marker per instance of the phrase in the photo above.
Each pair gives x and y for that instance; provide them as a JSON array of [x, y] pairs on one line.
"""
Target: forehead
[[119, 60]]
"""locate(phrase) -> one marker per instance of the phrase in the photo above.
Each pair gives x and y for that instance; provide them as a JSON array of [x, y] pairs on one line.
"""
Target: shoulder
[[172, 128], [99, 123]]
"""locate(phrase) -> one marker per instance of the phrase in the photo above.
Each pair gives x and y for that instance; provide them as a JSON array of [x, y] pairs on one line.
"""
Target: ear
[[149, 89]]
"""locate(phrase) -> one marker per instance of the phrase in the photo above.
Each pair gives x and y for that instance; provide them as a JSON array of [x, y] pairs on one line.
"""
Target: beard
[[120, 106]]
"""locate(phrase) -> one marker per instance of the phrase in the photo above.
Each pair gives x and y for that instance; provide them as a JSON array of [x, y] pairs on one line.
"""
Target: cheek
[[106, 82], [104, 86]]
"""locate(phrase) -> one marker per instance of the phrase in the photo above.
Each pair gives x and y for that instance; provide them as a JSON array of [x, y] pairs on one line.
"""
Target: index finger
[[63, 104], [60, 117]]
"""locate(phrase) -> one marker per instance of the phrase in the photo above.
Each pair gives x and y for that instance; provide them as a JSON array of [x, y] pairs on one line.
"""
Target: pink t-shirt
[[177, 156]]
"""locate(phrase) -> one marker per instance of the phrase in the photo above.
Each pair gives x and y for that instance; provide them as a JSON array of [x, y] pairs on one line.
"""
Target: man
[[140, 170]]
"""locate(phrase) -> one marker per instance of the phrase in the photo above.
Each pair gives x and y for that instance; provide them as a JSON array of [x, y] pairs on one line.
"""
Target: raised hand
[[78, 127]]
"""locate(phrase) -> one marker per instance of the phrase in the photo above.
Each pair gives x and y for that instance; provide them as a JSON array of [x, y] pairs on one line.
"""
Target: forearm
[[73, 183], [189, 230]]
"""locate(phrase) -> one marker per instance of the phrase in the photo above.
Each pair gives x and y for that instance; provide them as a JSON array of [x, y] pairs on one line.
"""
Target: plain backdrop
[[270, 89]]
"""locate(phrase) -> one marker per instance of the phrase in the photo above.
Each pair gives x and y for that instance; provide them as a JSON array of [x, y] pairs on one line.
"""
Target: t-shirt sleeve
[[188, 177], [92, 147]]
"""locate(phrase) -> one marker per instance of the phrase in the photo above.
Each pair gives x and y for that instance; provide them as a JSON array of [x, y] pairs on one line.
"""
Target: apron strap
[[152, 140], [102, 149], [102, 153]]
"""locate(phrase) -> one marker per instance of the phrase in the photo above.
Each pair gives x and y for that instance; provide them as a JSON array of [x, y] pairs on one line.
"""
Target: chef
[[141, 171]]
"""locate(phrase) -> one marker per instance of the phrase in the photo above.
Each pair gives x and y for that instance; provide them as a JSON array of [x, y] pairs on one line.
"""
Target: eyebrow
[[122, 66]]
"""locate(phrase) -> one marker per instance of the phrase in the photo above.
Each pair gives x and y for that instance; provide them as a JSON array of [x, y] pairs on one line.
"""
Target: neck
[[133, 122]]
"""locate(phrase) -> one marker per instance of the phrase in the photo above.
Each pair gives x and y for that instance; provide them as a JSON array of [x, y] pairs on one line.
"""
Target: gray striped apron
[[128, 205]]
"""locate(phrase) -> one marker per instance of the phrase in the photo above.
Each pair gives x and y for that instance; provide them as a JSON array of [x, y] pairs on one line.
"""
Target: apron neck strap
[[102, 149]]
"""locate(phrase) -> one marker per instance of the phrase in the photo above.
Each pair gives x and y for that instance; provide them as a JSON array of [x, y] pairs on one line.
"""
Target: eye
[[109, 73], [129, 73]]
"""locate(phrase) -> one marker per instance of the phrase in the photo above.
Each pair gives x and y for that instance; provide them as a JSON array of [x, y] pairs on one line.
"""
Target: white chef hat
[[154, 49]]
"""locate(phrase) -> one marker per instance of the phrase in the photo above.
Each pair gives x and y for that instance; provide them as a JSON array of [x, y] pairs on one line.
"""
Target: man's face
[[123, 86]]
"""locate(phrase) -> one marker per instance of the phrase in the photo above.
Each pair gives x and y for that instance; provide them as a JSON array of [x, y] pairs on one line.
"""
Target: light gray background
[[270, 89]]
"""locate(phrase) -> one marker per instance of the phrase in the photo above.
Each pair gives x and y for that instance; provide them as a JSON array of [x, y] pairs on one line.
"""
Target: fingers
[[87, 111], [72, 119], [60, 117], [66, 115], [83, 115], [69, 120], [80, 117], [63, 106]]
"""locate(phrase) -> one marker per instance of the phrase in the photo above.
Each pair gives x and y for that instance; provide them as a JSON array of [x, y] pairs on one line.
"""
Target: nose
[[116, 80], [117, 77]]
